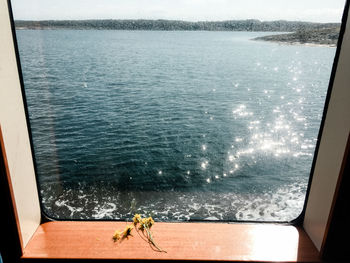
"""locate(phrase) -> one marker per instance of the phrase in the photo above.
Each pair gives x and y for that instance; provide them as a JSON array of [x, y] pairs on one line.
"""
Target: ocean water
[[178, 125]]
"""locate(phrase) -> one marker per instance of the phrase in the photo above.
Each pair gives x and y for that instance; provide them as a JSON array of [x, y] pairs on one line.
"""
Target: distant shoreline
[[300, 43], [304, 33], [175, 25], [318, 37]]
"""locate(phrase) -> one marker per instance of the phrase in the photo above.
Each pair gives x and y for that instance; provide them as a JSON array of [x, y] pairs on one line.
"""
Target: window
[[201, 123], [330, 155]]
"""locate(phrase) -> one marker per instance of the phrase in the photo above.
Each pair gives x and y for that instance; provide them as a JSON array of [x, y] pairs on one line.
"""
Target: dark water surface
[[178, 125]]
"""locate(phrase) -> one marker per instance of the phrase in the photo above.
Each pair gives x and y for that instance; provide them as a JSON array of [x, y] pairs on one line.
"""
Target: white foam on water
[[211, 218], [71, 208], [106, 211], [282, 204]]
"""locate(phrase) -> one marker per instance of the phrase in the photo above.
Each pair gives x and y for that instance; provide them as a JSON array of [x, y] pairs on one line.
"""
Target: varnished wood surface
[[182, 241]]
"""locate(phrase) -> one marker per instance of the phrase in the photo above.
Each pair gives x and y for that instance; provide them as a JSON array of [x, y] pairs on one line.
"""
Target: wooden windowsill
[[182, 241]]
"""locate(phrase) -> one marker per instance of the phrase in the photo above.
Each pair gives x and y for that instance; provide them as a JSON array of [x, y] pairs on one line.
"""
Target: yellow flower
[[137, 219], [117, 235], [150, 222], [127, 230], [143, 223]]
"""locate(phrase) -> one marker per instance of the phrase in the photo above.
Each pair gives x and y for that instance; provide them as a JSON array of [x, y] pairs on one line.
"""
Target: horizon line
[[178, 20]]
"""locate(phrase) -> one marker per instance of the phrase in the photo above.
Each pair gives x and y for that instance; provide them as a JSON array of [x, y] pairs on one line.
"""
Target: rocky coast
[[323, 36]]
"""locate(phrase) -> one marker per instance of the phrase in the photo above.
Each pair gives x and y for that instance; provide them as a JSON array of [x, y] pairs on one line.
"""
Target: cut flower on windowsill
[[142, 224], [123, 234]]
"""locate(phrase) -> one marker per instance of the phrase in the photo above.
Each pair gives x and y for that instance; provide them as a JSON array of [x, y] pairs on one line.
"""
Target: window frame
[[26, 231]]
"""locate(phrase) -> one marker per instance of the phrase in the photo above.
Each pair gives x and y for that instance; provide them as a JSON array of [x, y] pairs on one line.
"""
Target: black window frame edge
[[334, 248], [295, 222], [11, 247]]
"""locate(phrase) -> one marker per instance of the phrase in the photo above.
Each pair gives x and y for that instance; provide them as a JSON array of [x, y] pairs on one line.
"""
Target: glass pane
[[185, 118]]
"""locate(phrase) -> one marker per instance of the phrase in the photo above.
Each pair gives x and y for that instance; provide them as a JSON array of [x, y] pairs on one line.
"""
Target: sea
[[178, 125]]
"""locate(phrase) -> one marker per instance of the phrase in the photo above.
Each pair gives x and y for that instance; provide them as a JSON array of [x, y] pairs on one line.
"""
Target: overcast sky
[[190, 10]]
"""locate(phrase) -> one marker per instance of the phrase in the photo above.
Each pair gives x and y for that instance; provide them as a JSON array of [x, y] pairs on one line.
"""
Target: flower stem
[[149, 235]]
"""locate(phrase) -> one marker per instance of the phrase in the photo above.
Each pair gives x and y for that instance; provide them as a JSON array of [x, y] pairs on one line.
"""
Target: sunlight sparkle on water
[[204, 165], [241, 111], [231, 158]]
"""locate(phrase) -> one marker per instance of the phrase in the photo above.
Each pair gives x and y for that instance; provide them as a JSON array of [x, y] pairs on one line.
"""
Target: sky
[[188, 10]]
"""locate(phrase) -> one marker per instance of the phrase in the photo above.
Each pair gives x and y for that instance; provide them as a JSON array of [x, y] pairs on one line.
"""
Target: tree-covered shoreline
[[323, 36], [175, 25]]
